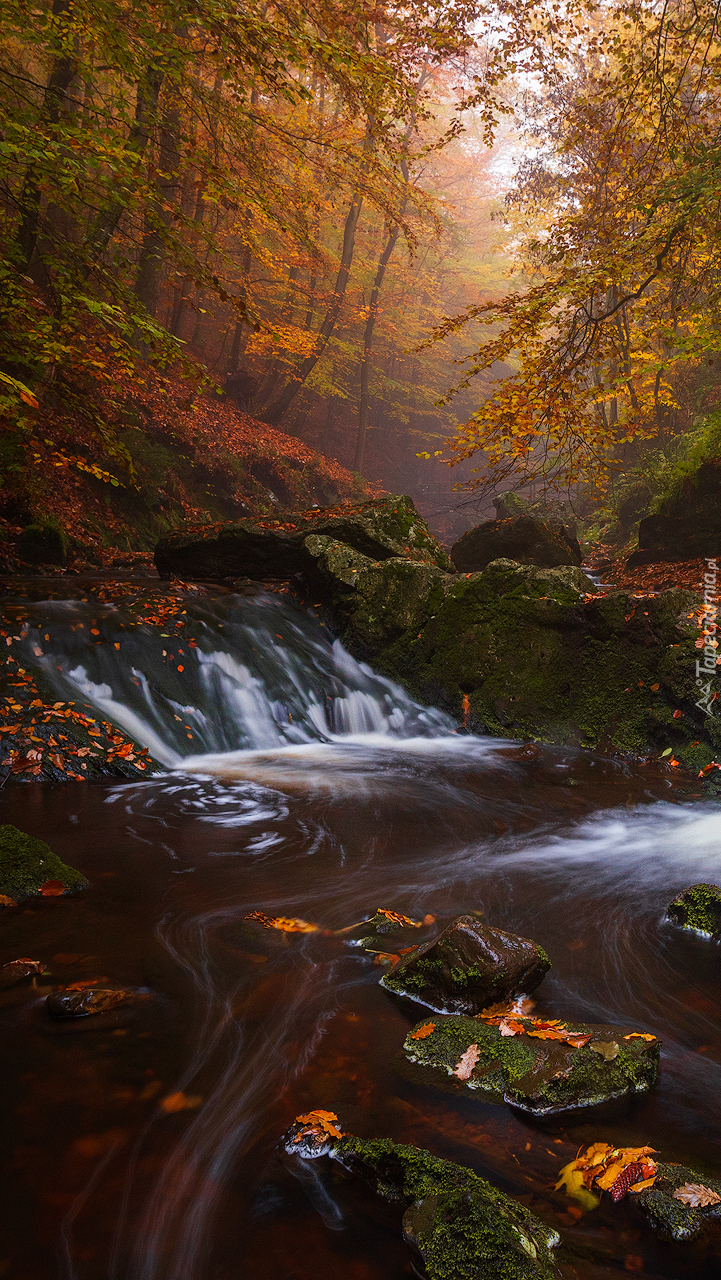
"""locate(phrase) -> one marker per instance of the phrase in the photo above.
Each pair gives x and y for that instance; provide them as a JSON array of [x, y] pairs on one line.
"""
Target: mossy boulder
[[525, 1070], [377, 600], [698, 909], [687, 523], [468, 967], [537, 653], [522, 538], [672, 1218], [380, 529], [26, 864], [463, 1228], [43, 542]]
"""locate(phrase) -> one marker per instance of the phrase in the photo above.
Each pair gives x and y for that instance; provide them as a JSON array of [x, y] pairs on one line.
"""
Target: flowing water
[[301, 784]]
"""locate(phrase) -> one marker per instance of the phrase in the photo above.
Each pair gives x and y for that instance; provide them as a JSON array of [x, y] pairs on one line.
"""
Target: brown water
[[579, 853]]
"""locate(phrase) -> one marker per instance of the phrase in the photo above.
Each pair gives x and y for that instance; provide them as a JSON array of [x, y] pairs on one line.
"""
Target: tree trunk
[[63, 72], [383, 261], [158, 213]]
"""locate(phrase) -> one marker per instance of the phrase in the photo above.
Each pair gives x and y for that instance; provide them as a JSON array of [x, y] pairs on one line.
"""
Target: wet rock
[[521, 538], [44, 542], [18, 970], [28, 865], [81, 1004], [698, 909], [376, 600], [468, 967], [538, 1075], [672, 1218], [386, 931], [381, 529], [462, 1227], [535, 653]]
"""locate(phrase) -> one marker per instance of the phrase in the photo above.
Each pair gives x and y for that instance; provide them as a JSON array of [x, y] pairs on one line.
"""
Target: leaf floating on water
[[395, 918], [52, 888], [286, 925], [696, 1195], [180, 1102], [608, 1049], [639, 1035], [386, 957], [421, 1032], [572, 1178], [467, 1062], [325, 1122]]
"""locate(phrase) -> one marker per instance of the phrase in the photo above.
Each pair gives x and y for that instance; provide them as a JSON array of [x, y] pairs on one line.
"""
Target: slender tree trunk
[[383, 261], [182, 294], [63, 72], [276, 410], [158, 213]]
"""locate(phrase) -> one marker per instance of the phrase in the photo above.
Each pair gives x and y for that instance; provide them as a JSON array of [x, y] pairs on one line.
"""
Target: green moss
[[44, 542], [672, 1218], [537, 1075], [26, 864], [462, 1226], [699, 909]]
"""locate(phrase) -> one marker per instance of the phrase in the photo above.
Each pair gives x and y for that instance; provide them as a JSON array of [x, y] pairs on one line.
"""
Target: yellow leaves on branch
[[283, 923]]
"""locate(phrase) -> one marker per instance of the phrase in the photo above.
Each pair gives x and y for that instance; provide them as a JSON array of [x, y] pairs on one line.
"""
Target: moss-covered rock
[[463, 1228], [699, 909], [468, 967], [381, 529], [687, 523], [377, 600], [26, 864], [533, 653], [43, 542], [522, 538], [672, 1218], [538, 1075]]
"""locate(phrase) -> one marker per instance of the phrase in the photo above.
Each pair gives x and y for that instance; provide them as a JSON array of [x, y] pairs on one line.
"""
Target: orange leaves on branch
[[421, 1032], [696, 1195], [283, 923], [467, 1062]]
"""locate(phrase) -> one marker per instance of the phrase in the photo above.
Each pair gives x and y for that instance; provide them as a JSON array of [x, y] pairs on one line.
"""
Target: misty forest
[[360, 519]]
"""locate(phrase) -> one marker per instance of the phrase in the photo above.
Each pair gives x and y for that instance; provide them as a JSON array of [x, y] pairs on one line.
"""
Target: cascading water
[[143, 1144]]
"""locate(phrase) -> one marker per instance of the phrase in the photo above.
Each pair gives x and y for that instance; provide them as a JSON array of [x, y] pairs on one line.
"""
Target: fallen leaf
[[386, 957], [286, 925], [325, 1121], [7, 902], [52, 888], [180, 1102], [641, 1186], [421, 1032], [395, 918], [467, 1062], [608, 1049], [639, 1035], [571, 1177], [696, 1195]]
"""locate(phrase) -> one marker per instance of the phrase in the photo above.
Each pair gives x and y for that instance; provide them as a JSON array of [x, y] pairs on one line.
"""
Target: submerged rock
[[380, 529], [671, 1217], [80, 1004], [462, 1227], [28, 865], [698, 908], [17, 970], [372, 934], [468, 967], [527, 1070], [522, 538]]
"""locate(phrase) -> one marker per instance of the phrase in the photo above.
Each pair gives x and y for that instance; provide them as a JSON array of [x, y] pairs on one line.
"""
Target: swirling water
[[313, 788]]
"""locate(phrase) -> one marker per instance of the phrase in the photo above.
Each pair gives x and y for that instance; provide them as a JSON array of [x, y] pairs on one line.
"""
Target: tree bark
[[383, 261], [158, 213]]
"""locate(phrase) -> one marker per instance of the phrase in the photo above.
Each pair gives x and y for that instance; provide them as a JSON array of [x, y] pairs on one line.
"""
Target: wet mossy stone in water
[[26, 864], [468, 967], [698, 909], [538, 1076], [463, 1228], [672, 1218]]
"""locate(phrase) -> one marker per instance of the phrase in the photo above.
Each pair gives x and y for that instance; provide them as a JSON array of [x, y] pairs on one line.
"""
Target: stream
[[300, 783]]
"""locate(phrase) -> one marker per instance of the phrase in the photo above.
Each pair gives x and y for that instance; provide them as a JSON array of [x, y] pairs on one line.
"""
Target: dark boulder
[[462, 1227], [43, 542], [255, 548], [522, 538], [516, 1061], [468, 967], [18, 970], [687, 524], [28, 866], [698, 909], [81, 1004]]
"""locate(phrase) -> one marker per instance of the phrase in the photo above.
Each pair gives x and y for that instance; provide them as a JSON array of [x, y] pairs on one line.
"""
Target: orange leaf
[[52, 888], [7, 902], [639, 1035], [180, 1102], [386, 957], [422, 1032]]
